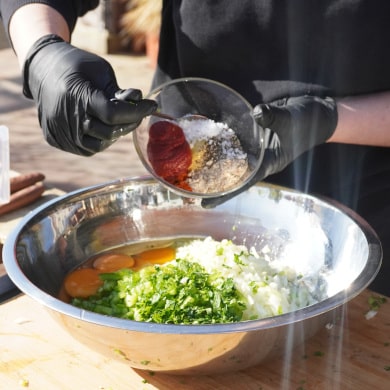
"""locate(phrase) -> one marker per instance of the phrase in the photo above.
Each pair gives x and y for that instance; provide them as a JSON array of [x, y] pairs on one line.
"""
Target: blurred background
[[125, 32]]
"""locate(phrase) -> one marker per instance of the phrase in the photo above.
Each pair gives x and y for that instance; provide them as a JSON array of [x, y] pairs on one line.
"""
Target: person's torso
[[267, 49]]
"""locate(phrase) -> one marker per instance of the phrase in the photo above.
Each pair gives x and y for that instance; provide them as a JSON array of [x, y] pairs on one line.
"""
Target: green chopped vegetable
[[24, 382], [375, 302], [181, 292]]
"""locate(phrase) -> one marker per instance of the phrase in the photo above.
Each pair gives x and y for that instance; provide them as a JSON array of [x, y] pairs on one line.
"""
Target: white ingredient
[[269, 289], [201, 129], [218, 160]]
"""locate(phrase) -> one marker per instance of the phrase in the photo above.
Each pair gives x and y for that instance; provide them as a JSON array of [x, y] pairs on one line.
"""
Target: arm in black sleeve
[[70, 9]]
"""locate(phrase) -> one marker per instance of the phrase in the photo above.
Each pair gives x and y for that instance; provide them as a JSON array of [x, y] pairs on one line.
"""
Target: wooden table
[[37, 353]]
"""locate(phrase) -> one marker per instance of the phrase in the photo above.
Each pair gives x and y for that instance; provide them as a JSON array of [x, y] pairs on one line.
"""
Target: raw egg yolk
[[111, 262], [82, 282], [155, 256]]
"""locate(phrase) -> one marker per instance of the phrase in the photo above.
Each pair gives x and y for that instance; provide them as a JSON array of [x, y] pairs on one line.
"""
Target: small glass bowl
[[182, 98]]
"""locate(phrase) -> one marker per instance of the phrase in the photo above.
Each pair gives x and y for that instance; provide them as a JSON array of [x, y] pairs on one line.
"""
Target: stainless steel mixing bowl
[[312, 233]]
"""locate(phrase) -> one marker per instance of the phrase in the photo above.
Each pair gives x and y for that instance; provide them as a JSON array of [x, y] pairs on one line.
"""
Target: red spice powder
[[169, 153]]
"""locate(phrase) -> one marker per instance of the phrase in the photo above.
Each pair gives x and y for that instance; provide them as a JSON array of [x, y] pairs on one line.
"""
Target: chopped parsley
[[181, 292], [237, 259], [375, 302]]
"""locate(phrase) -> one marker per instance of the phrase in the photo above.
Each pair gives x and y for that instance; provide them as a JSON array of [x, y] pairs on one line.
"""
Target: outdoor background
[[29, 151]]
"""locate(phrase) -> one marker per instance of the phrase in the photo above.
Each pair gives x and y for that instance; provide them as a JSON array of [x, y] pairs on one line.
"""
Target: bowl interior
[[307, 232], [196, 96]]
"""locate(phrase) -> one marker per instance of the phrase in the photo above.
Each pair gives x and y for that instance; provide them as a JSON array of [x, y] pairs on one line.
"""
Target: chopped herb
[[376, 301], [302, 382], [254, 286], [178, 293], [219, 251], [24, 382], [237, 259], [387, 368], [319, 353]]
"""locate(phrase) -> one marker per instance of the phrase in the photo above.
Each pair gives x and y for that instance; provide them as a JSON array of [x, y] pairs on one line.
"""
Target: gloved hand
[[74, 91], [292, 126]]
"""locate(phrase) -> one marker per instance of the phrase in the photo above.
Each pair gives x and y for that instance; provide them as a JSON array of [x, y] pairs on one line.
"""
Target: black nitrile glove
[[74, 91], [292, 126]]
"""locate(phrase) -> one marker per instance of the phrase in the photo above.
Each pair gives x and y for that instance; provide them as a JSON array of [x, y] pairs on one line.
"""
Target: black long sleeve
[[70, 9]]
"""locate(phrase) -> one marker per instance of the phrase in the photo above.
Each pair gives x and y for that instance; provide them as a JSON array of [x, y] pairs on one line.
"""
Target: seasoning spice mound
[[198, 155], [218, 160]]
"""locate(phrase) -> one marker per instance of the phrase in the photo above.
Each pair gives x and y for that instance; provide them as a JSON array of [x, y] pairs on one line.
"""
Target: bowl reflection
[[314, 233]]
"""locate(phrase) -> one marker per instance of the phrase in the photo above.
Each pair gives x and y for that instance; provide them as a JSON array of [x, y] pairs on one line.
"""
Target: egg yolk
[[111, 262], [82, 282], [155, 256]]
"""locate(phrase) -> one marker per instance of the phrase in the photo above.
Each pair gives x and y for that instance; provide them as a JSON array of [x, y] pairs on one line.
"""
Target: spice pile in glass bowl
[[198, 155]]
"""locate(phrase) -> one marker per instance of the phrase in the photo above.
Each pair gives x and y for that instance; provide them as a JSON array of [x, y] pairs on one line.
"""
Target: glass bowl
[[214, 146]]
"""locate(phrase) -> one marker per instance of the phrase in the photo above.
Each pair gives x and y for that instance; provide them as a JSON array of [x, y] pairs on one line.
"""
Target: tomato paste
[[169, 153]]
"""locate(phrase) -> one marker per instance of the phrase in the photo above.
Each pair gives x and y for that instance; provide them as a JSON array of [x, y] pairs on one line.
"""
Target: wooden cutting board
[[36, 353]]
